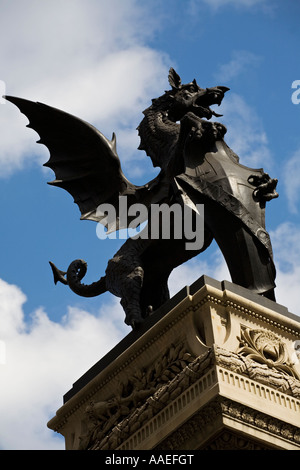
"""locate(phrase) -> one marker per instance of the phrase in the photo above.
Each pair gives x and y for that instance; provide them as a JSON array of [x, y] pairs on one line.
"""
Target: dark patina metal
[[197, 167]]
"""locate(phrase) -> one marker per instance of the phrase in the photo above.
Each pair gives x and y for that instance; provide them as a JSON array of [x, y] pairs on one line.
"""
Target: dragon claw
[[134, 321]]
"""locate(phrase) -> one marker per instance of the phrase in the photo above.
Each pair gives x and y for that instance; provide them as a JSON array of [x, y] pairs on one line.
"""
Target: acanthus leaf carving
[[267, 348], [105, 415]]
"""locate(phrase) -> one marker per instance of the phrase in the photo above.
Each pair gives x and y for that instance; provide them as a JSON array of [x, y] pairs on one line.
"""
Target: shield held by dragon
[[196, 167]]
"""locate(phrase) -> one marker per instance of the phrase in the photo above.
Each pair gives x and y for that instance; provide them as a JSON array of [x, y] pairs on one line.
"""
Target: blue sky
[[104, 61]]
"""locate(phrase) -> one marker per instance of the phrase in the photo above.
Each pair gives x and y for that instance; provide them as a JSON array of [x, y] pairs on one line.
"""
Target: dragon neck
[[158, 133]]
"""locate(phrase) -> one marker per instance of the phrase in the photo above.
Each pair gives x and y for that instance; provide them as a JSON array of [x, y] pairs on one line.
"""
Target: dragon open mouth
[[202, 104], [205, 112]]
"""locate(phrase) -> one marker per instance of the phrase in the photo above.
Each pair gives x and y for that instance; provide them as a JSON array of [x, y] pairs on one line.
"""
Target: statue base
[[214, 368]]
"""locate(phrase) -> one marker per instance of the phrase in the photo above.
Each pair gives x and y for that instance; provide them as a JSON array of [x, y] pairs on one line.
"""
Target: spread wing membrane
[[85, 162]]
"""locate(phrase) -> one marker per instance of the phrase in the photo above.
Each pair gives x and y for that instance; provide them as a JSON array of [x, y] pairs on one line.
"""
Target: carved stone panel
[[216, 369]]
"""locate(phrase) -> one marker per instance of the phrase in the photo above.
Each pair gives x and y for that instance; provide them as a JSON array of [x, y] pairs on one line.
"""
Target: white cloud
[[246, 135], [286, 246], [217, 4], [43, 358], [41, 361], [213, 266], [291, 181], [91, 62], [240, 62]]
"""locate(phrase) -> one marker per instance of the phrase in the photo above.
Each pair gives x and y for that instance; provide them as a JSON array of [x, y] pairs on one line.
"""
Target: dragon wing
[[85, 162]]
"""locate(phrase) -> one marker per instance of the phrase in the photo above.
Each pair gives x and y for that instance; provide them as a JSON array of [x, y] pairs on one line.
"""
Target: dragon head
[[192, 98], [160, 129]]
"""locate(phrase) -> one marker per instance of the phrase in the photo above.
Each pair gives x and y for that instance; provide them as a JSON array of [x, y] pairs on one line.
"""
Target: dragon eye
[[186, 94], [193, 88]]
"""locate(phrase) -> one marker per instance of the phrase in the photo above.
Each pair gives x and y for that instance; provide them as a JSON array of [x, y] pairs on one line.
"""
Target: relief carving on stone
[[200, 422], [150, 390], [103, 416], [266, 348]]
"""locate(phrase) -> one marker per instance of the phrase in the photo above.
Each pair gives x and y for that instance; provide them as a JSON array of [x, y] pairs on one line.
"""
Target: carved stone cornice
[[173, 378], [251, 310], [209, 343], [222, 407]]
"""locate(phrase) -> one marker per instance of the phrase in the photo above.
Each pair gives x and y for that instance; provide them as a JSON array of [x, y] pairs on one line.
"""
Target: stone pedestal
[[216, 367]]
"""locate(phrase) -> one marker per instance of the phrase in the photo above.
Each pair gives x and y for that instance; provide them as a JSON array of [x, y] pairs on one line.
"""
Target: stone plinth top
[[167, 307], [214, 366]]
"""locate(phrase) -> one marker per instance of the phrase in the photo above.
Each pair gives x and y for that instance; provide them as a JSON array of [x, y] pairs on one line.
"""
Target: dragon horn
[[223, 88], [174, 79]]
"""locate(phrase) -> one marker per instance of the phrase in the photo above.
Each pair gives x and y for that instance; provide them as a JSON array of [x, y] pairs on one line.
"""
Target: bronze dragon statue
[[197, 167]]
